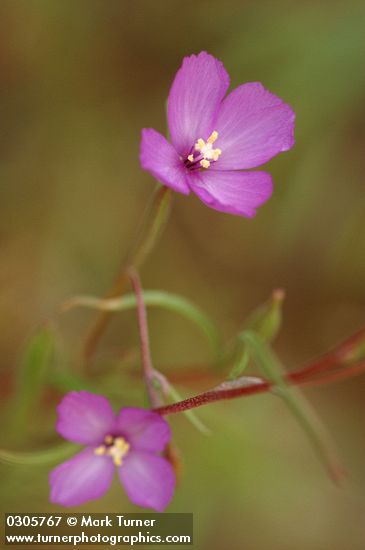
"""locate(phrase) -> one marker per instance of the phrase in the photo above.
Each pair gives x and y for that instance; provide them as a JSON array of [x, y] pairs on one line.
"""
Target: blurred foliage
[[78, 82], [31, 379]]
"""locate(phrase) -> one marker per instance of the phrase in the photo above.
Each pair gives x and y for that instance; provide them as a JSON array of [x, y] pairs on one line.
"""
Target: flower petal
[[195, 95], [144, 430], [158, 157], [82, 478], [85, 418], [148, 480], [237, 193], [253, 126]]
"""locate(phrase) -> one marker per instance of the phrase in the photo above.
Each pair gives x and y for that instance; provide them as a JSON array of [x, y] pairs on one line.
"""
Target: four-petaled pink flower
[[214, 137], [129, 442]]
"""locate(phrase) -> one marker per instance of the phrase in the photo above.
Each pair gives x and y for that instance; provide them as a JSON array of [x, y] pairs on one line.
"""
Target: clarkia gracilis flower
[[214, 138], [129, 442]]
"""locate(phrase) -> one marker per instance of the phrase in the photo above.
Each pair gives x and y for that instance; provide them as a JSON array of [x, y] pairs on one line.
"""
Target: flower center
[[202, 153], [115, 447]]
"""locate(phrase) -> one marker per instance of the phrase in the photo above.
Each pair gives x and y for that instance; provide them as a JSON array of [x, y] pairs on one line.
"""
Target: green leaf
[[266, 322], [297, 404], [32, 377], [241, 365], [38, 458], [157, 298]]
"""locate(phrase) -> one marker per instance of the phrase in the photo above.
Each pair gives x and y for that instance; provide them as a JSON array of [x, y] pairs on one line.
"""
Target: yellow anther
[[116, 448], [100, 450], [216, 154], [207, 153], [199, 144], [121, 443], [213, 136]]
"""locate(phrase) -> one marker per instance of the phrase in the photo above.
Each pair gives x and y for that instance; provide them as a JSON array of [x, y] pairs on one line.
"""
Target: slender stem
[[148, 370], [211, 396], [342, 354], [329, 368], [335, 375], [152, 227], [150, 376], [261, 386], [150, 231]]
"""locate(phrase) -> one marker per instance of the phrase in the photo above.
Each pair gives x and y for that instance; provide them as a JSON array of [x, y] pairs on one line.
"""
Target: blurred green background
[[78, 82]]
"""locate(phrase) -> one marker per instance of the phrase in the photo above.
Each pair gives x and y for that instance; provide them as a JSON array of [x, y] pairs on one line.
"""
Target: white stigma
[[206, 150], [117, 448]]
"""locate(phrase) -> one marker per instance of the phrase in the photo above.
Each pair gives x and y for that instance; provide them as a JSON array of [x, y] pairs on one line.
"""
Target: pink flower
[[128, 442], [214, 137]]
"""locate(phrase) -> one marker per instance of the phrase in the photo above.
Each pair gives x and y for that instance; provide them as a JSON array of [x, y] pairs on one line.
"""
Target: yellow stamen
[[216, 154], [118, 450], [100, 450], [213, 136], [115, 448], [199, 144], [206, 150]]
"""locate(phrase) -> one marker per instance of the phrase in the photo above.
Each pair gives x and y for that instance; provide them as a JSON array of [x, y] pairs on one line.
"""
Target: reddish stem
[[211, 396], [148, 370], [336, 375], [337, 357], [294, 378], [333, 358]]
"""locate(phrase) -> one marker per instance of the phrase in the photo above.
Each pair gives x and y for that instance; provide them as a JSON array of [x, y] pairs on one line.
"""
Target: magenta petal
[[237, 193], [85, 418], [195, 95], [144, 430], [158, 157], [148, 480], [84, 477], [253, 126]]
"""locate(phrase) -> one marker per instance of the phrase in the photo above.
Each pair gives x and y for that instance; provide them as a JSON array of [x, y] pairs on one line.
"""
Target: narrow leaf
[[241, 365], [297, 404], [39, 458], [156, 298], [265, 321]]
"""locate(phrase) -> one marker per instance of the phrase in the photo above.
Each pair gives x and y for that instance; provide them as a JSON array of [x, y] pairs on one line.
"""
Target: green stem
[[156, 218]]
